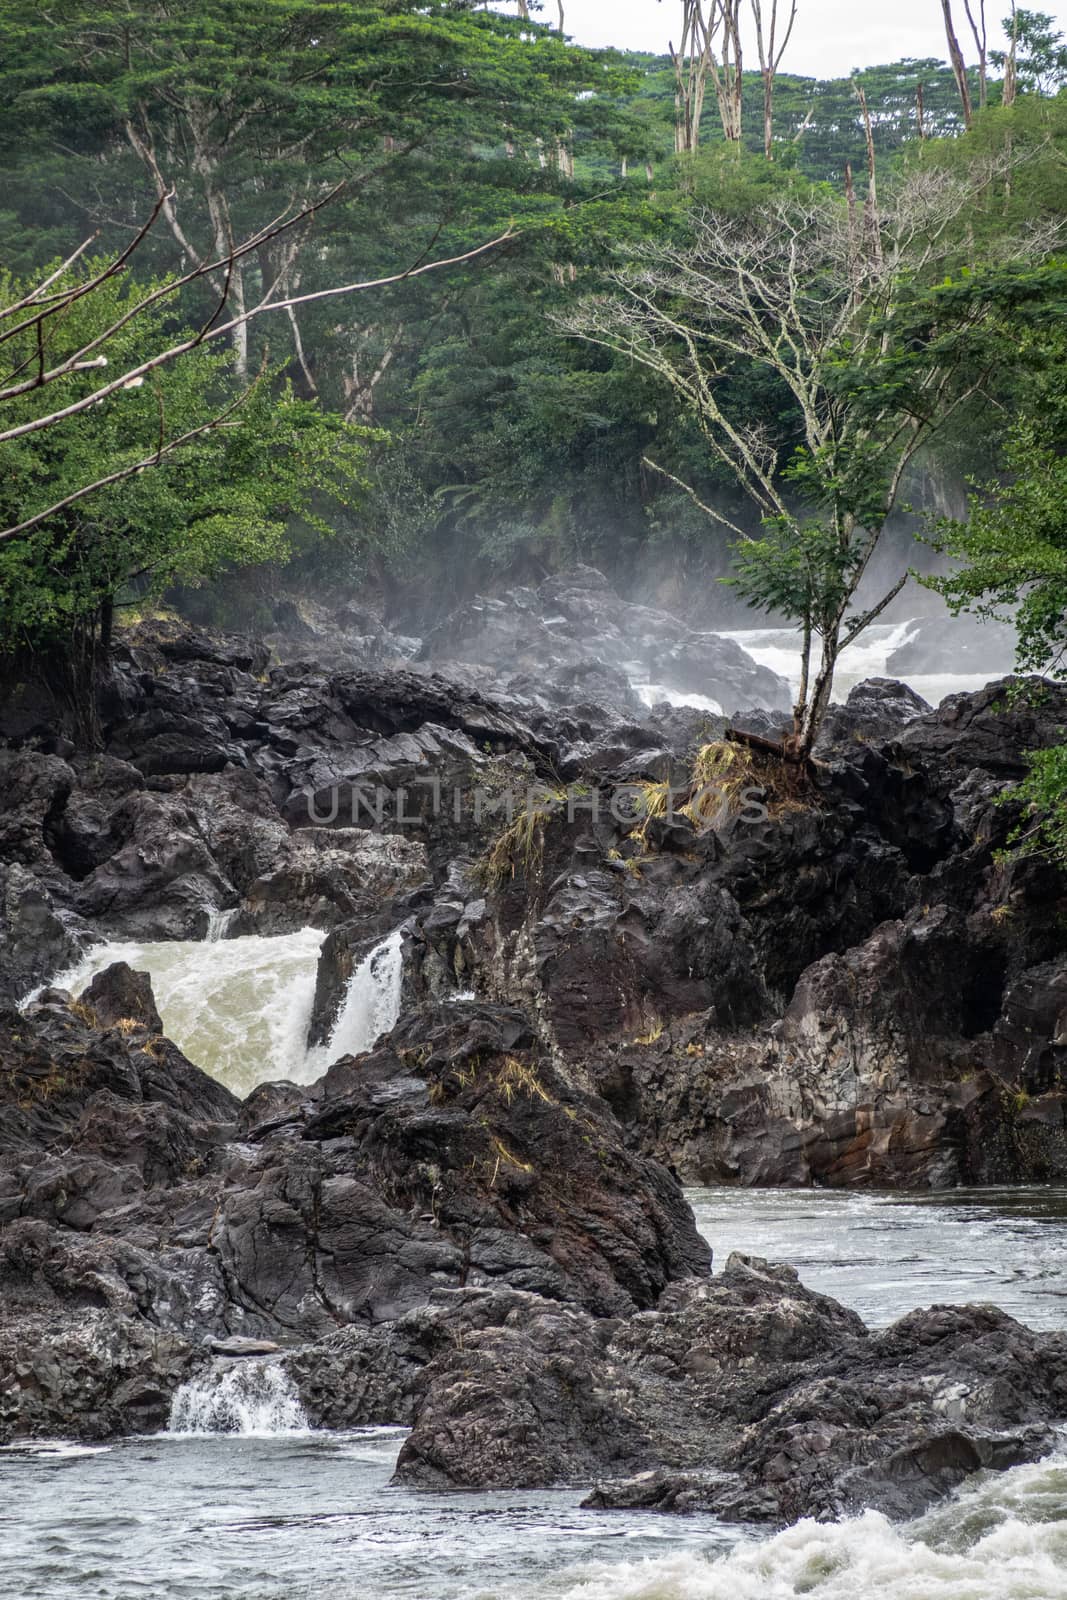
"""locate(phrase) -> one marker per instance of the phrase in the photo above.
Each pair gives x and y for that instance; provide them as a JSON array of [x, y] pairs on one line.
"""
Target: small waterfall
[[251, 1397], [372, 1003], [219, 924]]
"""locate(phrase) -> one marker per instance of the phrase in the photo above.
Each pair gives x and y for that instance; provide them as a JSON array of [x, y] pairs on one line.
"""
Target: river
[[780, 650], [292, 1515]]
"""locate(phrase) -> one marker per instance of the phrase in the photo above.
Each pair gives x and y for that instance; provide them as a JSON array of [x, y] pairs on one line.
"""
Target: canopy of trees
[[447, 426]]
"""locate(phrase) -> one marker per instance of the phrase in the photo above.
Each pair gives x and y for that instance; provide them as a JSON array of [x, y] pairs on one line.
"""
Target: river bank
[[463, 1051], [251, 1516]]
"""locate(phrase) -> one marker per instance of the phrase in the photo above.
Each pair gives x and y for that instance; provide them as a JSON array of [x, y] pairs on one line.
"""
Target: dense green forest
[[176, 175]]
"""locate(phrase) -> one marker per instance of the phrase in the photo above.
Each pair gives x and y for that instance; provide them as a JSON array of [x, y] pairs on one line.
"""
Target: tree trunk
[[1011, 65], [958, 65], [981, 40], [819, 703], [772, 47]]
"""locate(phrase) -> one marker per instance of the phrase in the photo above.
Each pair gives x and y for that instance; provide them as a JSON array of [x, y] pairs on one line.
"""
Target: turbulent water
[[247, 1397], [240, 1008], [288, 1515], [779, 649]]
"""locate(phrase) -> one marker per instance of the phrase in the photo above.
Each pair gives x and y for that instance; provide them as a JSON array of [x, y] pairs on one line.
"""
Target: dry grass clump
[[519, 850], [725, 779], [519, 1078]]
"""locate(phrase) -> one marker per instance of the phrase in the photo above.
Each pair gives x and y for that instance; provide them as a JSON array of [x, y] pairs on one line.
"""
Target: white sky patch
[[831, 36]]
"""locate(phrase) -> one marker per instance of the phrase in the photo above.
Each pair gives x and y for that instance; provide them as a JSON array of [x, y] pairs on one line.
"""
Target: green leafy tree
[[1010, 553], [1040, 52], [178, 472], [229, 111], [840, 311]]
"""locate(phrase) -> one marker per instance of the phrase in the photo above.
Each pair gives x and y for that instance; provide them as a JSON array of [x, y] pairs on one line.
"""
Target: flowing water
[[780, 648], [264, 1510], [240, 1008]]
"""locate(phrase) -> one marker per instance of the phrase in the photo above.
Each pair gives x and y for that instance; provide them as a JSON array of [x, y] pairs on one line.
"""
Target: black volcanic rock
[[576, 622]]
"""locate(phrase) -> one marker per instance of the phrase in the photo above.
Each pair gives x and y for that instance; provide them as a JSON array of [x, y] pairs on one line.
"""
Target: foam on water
[[371, 1006], [241, 1008], [1002, 1538], [779, 649], [654, 694], [250, 1397]]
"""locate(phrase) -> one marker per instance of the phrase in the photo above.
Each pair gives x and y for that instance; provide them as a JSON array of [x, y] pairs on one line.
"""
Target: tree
[[134, 453], [229, 111], [1037, 60], [170, 509], [772, 47], [1011, 551], [727, 73], [709, 47], [871, 366], [976, 17], [959, 68], [692, 64]]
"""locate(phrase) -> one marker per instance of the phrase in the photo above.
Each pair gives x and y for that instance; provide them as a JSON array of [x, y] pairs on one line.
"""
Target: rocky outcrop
[[453, 1156], [748, 1396], [476, 1228], [575, 621]]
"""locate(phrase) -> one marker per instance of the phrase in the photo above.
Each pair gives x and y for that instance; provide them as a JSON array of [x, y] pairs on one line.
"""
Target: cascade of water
[[372, 1003], [241, 1008], [780, 649], [219, 924], [253, 1397]]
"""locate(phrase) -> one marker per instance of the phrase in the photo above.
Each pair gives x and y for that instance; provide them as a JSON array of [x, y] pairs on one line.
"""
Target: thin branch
[[203, 337], [162, 450]]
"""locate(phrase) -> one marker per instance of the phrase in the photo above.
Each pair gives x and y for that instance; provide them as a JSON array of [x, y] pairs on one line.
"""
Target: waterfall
[[219, 924], [252, 1397], [241, 1008], [780, 650], [372, 1003]]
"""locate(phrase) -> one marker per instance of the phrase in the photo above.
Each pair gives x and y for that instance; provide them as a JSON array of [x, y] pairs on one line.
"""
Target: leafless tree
[[976, 16], [28, 321], [1011, 63], [692, 64], [709, 48], [792, 289], [772, 45], [959, 67], [726, 68]]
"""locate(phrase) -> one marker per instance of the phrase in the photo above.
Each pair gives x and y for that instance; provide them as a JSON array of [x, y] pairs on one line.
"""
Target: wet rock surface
[[476, 1228], [748, 1396]]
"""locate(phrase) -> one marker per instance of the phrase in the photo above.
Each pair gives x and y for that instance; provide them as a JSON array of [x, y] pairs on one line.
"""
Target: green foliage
[[501, 445], [1041, 55], [1043, 796], [233, 496], [1011, 550]]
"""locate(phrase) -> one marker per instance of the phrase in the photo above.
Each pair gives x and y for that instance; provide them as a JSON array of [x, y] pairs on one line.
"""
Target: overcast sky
[[831, 36]]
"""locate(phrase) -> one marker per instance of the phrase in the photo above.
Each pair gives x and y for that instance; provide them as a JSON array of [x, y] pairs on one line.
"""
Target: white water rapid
[[240, 1008], [250, 1397], [1003, 1537], [779, 649]]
